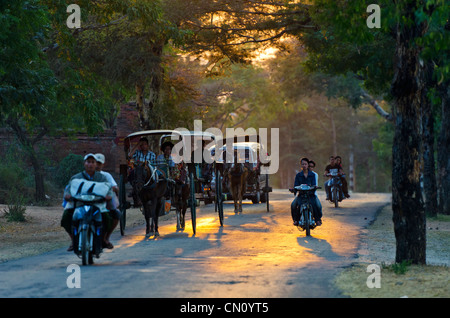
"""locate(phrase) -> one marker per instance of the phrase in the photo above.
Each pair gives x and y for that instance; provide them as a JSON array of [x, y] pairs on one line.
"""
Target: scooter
[[89, 201]]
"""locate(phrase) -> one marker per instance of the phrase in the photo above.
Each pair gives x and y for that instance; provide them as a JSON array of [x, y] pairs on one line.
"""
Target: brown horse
[[237, 176], [181, 193], [151, 185]]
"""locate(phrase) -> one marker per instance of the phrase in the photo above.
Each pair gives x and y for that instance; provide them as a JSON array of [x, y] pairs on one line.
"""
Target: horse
[[151, 185], [181, 194], [237, 175]]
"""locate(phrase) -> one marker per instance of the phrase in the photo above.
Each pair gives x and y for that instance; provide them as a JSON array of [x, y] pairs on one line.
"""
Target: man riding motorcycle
[[305, 176], [328, 169], [89, 173]]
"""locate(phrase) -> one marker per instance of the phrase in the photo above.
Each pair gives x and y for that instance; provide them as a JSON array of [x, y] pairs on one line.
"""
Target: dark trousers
[[295, 208]]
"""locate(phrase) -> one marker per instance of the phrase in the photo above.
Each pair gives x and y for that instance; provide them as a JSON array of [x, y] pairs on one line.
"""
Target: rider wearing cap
[[89, 173], [112, 217]]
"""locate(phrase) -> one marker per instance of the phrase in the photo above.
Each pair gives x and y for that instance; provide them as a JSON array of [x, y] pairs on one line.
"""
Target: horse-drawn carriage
[[248, 153], [199, 185]]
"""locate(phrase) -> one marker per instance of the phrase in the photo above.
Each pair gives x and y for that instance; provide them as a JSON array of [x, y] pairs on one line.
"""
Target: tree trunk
[[444, 151], [38, 177], [408, 212], [28, 147], [429, 171], [333, 134], [144, 118], [146, 110]]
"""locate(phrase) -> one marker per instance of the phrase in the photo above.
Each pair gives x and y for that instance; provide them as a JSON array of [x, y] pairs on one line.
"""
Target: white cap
[[100, 157], [88, 156]]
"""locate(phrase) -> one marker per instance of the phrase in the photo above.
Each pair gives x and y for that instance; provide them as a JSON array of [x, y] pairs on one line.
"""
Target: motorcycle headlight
[[87, 197]]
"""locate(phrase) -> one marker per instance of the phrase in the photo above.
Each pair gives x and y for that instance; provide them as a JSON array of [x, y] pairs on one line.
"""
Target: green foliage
[[382, 145], [15, 211], [69, 166], [15, 176], [401, 268]]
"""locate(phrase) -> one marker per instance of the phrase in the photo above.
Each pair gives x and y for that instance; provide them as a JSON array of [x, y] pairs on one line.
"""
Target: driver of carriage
[[141, 153], [89, 173], [305, 176]]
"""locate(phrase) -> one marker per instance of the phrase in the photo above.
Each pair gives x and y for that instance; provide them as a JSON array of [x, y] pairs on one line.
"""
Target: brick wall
[[109, 142]]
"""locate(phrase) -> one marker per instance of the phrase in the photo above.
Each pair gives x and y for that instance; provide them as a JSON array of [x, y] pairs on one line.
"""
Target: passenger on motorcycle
[[305, 177], [89, 173], [312, 166], [338, 160], [111, 218], [332, 167]]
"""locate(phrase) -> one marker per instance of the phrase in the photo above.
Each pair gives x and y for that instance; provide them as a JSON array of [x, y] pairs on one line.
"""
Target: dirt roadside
[[42, 233], [378, 247]]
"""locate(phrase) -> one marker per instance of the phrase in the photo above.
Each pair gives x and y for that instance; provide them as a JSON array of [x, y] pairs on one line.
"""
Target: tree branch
[[377, 106]]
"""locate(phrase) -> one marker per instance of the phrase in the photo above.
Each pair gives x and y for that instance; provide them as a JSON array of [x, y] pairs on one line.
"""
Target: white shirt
[[110, 178], [317, 178]]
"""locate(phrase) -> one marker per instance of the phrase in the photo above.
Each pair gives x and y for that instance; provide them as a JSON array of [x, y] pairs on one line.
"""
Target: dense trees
[[180, 59]]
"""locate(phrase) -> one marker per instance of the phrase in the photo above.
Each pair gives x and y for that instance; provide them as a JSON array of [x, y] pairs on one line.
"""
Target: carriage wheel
[[267, 192], [122, 205], [219, 198], [193, 201]]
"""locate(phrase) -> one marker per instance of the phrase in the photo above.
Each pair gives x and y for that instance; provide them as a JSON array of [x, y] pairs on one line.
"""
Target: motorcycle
[[89, 202], [306, 222], [335, 183]]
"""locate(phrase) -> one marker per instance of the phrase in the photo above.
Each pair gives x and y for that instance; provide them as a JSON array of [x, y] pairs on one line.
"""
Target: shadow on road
[[318, 247]]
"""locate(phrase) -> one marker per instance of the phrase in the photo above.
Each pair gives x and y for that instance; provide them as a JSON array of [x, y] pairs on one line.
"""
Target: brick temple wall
[[109, 142]]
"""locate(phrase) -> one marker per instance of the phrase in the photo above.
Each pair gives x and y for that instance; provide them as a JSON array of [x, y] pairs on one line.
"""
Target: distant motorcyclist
[[332, 167], [338, 160]]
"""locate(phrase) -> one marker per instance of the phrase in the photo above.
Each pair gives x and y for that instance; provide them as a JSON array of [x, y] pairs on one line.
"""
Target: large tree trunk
[[147, 120], [408, 212], [144, 117], [429, 171], [444, 151], [27, 145]]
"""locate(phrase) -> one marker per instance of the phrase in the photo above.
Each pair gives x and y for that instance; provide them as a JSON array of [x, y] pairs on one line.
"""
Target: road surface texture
[[256, 254]]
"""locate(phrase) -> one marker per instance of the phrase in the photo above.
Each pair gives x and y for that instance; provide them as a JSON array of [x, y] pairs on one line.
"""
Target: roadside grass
[[404, 279]]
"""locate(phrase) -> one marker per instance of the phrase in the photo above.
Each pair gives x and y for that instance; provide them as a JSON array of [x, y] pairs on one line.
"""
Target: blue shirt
[[309, 180], [140, 157]]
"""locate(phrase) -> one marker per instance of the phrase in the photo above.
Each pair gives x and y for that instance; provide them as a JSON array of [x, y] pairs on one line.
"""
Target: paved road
[[256, 254]]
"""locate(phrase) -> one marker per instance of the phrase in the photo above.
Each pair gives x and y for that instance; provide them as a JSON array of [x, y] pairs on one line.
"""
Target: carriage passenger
[[165, 161]]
